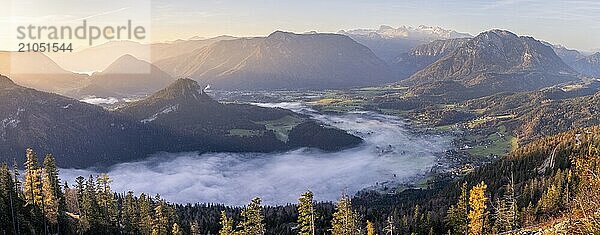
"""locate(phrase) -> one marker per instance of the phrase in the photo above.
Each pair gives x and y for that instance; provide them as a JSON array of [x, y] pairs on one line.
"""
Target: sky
[[572, 23]]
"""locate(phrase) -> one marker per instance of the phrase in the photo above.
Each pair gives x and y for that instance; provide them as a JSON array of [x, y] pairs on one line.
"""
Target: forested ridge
[[551, 183]]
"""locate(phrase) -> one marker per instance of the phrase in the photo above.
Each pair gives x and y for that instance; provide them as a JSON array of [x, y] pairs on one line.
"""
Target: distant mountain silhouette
[[99, 57], [37, 71], [282, 61], [125, 77]]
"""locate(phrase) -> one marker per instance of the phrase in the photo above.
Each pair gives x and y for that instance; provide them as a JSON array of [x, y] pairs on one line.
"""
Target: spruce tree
[[50, 199], [161, 219], [8, 214], [53, 196], [252, 223], [344, 219], [32, 183], [130, 214], [306, 214], [457, 214], [146, 220], [106, 200]]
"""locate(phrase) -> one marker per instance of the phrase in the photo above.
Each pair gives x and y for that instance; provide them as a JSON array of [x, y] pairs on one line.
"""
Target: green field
[[245, 132], [282, 127]]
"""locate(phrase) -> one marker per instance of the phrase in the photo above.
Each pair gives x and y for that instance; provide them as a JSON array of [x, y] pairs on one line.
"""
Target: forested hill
[[179, 118], [535, 185], [551, 183], [188, 111]]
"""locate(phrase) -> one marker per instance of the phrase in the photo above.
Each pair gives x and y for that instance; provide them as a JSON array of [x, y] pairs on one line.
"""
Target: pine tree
[[252, 223], [344, 219], [89, 208], [53, 195], [161, 221], [306, 214], [130, 214], [195, 228], [8, 214], [457, 214], [146, 221], [505, 211], [50, 199], [226, 225], [32, 184], [370, 228], [477, 212], [106, 200], [52, 172]]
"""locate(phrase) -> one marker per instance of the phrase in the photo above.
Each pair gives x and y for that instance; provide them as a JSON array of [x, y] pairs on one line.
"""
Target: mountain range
[[433, 59], [282, 61], [99, 57], [497, 61], [388, 42]]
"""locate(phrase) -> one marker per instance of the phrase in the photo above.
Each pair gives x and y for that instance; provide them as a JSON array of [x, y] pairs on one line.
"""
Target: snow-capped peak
[[422, 32]]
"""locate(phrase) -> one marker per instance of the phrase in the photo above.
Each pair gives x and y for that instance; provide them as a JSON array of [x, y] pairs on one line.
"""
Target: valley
[[385, 130]]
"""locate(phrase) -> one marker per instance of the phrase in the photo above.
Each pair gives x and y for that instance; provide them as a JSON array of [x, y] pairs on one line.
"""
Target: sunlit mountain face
[[312, 117]]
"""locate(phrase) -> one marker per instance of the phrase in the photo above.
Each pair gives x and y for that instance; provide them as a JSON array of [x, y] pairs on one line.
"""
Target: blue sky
[[574, 23]]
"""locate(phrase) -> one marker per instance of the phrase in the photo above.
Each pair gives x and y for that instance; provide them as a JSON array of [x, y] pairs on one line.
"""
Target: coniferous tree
[[478, 206], [8, 214], [370, 228], [585, 208], [226, 225], [344, 219], [32, 183], [161, 220], [252, 223], [306, 214], [89, 208], [53, 195], [130, 214], [50, 199], [457, 214], [195, 228], [505, 211], [175, 230], [106, 200], [146, 220]]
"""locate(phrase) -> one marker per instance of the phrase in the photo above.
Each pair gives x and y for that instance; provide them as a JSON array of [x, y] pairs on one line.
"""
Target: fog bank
[[390, 154]]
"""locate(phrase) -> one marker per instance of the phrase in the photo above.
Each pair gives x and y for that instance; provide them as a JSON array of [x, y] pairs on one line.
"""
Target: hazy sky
[[575, 23]]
